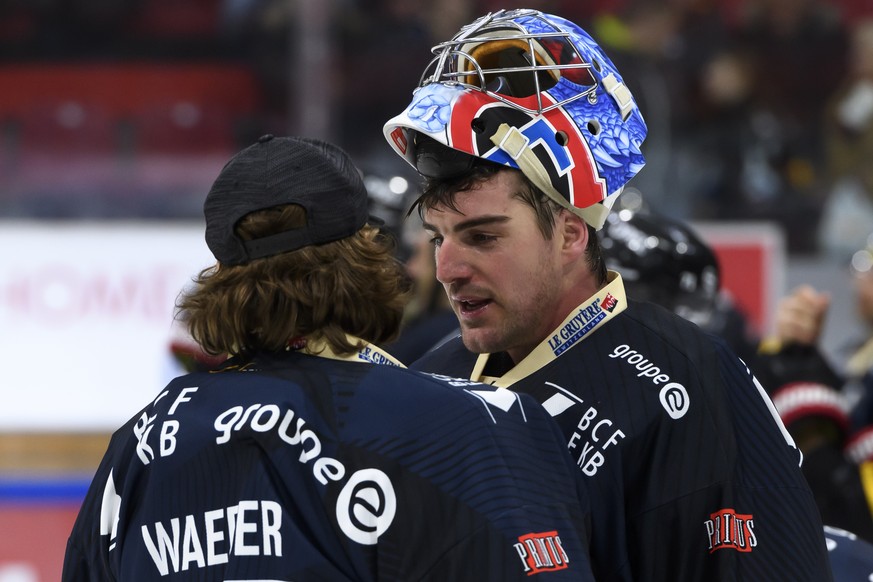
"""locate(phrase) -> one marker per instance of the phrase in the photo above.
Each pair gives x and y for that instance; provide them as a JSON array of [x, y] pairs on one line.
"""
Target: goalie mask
[[531, 91]]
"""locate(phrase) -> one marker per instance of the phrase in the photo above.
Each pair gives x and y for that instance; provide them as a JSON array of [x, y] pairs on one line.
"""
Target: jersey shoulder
[[451, 357], [674, 331]]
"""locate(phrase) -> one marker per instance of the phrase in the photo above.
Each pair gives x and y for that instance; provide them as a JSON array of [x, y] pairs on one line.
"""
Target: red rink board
[[753, 263], [34, 539]]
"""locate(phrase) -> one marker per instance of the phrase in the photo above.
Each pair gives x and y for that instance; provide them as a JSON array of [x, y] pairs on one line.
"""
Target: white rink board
[[86, 318]]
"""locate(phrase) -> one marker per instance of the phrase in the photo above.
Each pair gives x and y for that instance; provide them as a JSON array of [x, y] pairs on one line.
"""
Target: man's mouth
[[471, 307]]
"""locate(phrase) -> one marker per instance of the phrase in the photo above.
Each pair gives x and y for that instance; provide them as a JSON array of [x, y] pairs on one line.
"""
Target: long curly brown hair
[[352, 286]]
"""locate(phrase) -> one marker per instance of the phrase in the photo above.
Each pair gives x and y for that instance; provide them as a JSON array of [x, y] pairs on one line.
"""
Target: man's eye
[[436, 241], [483, 238]]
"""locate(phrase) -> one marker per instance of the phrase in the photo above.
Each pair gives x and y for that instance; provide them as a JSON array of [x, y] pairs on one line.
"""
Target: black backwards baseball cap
[[314, 174]]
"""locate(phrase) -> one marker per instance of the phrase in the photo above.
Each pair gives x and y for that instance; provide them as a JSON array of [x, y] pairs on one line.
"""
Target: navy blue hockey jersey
[[690, 472], [851, 557], [297, 467]]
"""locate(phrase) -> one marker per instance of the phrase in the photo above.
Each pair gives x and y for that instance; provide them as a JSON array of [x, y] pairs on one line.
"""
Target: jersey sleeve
[[757, 520], [87, 556]]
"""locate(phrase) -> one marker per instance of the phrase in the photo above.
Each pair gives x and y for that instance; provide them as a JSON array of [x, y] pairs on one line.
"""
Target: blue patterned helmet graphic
[[534, 92]]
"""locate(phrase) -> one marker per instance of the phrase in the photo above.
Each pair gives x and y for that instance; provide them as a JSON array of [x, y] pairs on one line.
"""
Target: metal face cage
[[511, 56]]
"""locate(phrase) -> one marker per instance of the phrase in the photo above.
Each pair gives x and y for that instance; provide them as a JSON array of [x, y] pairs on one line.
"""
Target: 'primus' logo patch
[[541, 552], [727, 529]]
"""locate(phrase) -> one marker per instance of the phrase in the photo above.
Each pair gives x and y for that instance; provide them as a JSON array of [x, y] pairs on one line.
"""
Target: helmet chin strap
[[514, 143]]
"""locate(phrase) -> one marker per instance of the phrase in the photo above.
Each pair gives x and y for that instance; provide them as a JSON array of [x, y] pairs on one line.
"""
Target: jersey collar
[[590, 315], [368, 353]]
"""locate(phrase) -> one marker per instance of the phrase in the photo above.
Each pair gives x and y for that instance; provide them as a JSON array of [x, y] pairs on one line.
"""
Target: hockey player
[[311, 454], [526, 133], [663, 260]]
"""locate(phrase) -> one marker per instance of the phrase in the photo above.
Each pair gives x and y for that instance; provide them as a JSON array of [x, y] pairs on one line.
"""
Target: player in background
[[526, 133], [800, 320], [663, 260], [428, 314], [851, 557], [312, 454]]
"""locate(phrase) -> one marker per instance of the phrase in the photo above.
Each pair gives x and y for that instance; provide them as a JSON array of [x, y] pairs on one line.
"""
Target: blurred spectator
[[719, 139], [807, 393], [859, 366], [799, 54], [383, 45], [259, 32], [741, 95], [800, 320], [848, 142], [64, 30], [732, 89], [800, 48], [668, 46], [829, 413]]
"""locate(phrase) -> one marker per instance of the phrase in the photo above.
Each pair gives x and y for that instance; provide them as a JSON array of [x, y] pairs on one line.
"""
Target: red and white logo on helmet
[[552, 136]]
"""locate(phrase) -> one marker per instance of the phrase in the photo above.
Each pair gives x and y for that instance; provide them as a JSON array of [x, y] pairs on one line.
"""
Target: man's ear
[[574, 235]]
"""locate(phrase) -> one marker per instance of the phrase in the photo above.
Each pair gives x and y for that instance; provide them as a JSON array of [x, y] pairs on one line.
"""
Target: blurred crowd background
[[760, 112], [758, 109]]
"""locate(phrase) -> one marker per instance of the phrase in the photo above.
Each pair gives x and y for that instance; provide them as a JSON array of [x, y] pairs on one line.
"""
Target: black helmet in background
[[390, 195], [662, 260]]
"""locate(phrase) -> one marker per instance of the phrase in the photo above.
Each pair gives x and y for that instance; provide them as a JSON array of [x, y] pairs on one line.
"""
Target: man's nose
[[451, 263]]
